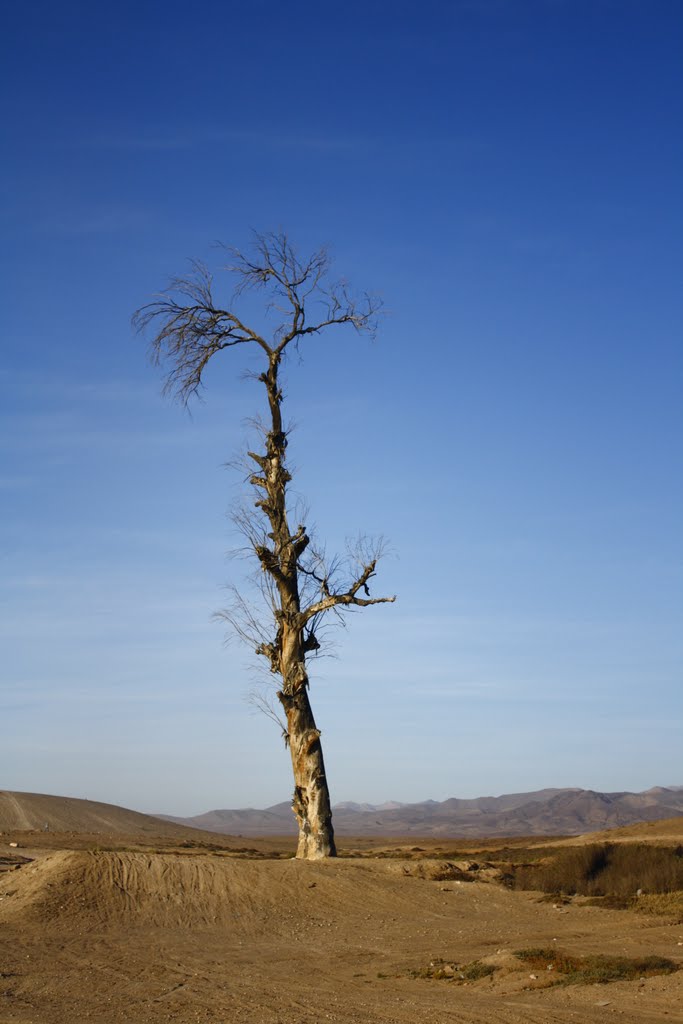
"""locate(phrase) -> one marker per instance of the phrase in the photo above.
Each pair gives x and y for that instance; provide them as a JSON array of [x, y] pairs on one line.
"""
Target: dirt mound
[[111, 937], [37, 811], [194, 890]]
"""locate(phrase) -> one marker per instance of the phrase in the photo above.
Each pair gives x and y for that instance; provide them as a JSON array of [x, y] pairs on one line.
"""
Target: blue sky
[[507, 175]]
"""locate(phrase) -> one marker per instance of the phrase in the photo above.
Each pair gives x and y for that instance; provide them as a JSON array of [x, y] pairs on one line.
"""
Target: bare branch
[[349, 596], [264, 703], [245, 621], [292, 281], [190, 330], [340, 597]]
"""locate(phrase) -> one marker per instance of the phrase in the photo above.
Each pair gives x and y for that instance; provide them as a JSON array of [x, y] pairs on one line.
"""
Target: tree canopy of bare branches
[[187, 328]]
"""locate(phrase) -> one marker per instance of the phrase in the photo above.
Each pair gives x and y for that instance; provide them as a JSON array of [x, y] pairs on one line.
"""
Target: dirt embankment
[[200, 936], [188, 890]]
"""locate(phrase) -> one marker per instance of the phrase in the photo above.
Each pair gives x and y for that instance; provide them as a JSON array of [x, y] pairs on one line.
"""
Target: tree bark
[[311, 801]]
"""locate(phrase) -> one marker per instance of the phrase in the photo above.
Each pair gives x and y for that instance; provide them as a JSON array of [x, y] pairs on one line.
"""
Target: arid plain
[[117, 917]]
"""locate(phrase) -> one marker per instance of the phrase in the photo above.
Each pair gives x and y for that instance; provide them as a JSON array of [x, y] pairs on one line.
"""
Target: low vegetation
[[666, 904], [592, 970], [620, 871], [442, 970]]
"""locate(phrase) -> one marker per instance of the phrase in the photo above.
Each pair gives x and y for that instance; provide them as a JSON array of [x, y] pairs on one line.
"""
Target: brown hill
[[277, 820], [40, 812]]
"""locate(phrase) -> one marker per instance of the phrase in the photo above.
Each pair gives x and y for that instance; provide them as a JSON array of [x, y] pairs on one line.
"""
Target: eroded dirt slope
[[131, 936]]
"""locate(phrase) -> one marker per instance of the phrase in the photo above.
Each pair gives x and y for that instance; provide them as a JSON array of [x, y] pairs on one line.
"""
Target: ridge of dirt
[[188, 890], [201, 936]]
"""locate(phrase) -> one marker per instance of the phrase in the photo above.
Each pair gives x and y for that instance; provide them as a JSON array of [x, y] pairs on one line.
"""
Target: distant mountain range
[[544, 812]]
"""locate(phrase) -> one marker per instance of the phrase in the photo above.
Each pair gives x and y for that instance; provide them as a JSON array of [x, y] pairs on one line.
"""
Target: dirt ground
[[104, 929]]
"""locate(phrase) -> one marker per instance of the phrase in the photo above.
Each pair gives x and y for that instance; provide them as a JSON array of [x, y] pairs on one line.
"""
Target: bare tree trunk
[[311, 802]]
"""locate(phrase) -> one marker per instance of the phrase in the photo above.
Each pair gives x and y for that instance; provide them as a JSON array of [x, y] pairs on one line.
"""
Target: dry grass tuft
[[666, 904], [442, 970], [604, 869], [593, 970]]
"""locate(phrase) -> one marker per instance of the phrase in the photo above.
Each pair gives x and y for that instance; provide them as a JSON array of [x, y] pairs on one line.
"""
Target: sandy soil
[[152, 934]]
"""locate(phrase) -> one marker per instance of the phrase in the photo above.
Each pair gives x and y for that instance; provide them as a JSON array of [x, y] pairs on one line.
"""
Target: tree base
[[312, 847]]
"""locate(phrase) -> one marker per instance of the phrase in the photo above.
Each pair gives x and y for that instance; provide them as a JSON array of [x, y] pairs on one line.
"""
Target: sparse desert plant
[[443, 970], [593, 970], [604, 902], [667, 904], [603, 869], [476, 970]]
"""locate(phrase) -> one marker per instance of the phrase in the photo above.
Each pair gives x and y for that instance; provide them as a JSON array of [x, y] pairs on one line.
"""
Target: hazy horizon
[[358, 803]]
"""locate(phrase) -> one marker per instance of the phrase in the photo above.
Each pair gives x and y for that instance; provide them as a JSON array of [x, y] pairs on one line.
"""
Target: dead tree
[[302, 587]]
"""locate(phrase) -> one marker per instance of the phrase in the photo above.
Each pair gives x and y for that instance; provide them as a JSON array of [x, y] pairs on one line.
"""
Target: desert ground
[[162, 923]]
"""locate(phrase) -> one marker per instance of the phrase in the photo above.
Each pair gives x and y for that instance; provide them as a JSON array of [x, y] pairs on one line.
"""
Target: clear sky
[[506, 173]]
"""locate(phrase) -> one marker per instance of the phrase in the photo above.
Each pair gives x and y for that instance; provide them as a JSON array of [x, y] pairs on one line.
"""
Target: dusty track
[[142, 937]]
